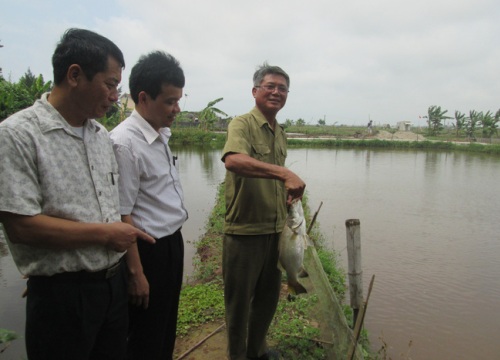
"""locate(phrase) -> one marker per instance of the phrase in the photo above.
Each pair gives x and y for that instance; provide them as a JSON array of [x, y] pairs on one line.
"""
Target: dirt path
[[213, 348]]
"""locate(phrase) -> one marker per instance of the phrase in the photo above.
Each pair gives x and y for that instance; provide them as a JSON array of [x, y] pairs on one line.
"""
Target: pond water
[[429, 234]]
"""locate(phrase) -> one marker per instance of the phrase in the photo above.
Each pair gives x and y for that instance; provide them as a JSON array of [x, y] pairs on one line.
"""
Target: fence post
[[355, 271]]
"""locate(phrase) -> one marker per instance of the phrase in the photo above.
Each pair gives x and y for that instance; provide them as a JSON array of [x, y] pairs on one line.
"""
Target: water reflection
[[11, 303], [201, 172]]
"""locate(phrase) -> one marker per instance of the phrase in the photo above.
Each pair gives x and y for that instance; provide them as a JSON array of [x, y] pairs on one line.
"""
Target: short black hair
[[266, 69], [152, 71], [85, 48]]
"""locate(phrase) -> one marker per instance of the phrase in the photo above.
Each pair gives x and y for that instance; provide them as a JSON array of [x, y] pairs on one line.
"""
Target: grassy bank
[[344, 139], [396, 145], [295, 330]]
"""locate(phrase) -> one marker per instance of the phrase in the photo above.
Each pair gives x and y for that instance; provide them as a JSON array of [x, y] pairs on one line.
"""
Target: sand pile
[[398, 135]]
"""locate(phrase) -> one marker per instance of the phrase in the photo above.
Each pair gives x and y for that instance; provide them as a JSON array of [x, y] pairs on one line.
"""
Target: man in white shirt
[[151, 198]]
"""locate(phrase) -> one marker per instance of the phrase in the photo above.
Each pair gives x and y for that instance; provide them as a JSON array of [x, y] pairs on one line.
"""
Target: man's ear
[[74, 74], [142, 97]]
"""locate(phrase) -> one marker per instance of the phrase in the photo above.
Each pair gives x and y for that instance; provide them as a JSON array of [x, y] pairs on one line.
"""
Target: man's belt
[[87, 275]]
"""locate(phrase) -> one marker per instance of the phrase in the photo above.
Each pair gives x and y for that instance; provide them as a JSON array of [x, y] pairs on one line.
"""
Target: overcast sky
[[349, 61]]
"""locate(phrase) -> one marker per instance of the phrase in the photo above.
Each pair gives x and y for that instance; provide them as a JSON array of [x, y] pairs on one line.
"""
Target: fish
[[292, 243]]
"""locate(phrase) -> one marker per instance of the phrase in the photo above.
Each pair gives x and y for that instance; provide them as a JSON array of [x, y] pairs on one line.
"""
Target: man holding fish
[[258, 190]]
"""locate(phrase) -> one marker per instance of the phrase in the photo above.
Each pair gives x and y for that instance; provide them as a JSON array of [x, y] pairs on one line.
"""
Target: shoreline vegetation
[[351, 138]]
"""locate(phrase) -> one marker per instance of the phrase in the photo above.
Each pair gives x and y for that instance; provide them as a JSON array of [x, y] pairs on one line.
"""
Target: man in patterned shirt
[[60, 208]]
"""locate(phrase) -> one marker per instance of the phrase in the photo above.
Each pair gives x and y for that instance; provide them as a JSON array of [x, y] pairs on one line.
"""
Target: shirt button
[[99, 193]]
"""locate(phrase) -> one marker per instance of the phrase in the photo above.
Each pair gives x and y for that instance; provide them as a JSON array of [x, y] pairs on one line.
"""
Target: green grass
[[396, 145], [292, 331], [6, 337], [199, 304], [194, 136]]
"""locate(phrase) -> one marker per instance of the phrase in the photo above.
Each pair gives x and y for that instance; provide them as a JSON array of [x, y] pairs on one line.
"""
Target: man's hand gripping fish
[[293, 241]]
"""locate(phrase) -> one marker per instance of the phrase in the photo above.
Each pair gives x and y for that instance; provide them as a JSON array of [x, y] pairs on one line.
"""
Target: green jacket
[[255, 206]]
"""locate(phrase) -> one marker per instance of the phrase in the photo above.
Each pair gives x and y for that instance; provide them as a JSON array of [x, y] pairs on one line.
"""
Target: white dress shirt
[[150, 190]]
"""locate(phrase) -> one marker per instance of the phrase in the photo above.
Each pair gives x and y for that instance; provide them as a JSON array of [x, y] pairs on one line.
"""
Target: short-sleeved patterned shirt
[[255, 206], [47, 169]]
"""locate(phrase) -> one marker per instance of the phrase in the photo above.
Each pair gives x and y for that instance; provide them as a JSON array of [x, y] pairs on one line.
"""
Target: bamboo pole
[[355, 271], [314, 218], [306, 338]]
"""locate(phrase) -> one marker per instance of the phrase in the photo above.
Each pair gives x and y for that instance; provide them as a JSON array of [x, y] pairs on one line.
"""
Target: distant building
[[404, 125]]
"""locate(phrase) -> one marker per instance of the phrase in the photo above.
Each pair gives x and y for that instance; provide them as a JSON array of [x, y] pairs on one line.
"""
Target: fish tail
[[296, 289]]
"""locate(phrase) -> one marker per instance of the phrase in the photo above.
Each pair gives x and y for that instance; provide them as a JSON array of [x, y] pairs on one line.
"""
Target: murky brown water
[[429, 232]]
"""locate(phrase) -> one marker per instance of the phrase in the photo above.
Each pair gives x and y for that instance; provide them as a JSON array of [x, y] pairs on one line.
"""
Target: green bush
[[13, 98]]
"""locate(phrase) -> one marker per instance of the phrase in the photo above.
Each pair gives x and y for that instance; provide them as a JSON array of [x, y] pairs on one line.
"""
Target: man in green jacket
[[258, 189]]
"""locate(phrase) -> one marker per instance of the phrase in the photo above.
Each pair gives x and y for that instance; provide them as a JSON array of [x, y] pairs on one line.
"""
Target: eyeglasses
[[270, 88]]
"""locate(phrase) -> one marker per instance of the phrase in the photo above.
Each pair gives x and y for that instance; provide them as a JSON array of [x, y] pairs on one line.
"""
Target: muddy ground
[[208, 342]]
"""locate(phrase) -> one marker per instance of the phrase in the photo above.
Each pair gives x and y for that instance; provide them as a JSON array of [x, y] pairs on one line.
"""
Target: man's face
[[270, 96], [161, 111], [97, 96]]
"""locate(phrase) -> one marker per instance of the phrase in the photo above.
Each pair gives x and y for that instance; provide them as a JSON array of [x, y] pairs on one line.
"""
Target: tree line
[[22, 94], [487, 122], [15, 96], [29, 88]]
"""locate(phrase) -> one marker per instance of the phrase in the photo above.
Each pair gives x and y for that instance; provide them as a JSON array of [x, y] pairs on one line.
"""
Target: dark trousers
[[252, 285], [70, 316], [152, 331]]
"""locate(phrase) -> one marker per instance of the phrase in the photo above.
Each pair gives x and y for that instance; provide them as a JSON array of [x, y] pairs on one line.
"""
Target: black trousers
[[152, 331], [77, 316]]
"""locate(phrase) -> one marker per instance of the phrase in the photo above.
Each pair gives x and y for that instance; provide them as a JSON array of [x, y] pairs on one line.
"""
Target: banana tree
[[460, 121], [208, 116], [435, 118], [472, 123], [489, 124]]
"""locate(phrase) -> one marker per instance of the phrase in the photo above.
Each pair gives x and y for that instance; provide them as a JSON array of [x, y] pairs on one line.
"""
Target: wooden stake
[[355, 270], [359, 323]]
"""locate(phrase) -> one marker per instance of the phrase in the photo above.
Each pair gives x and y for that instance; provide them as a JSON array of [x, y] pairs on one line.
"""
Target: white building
[[404, 125]]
